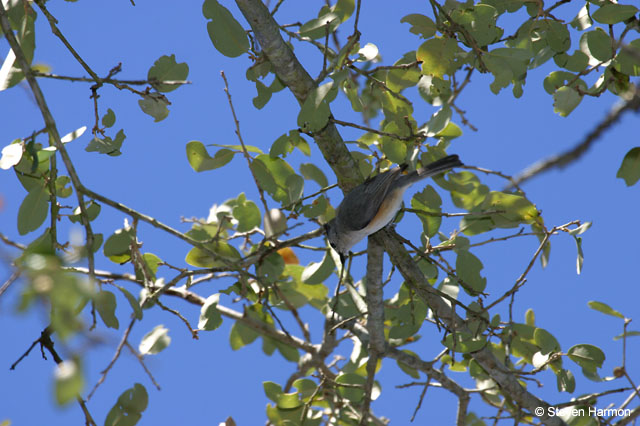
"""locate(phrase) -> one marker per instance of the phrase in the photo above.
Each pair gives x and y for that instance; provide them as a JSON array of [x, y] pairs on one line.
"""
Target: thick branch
[[295, 77]]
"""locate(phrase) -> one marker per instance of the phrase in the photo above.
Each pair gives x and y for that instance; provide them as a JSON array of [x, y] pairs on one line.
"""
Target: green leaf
[[135, 305], [155, 341], [93, 210], [317, 27], [597, 44], [69, 382], [272, 174], [200, 160], [604, 308], [575, 63], [545, 341], [107, 145], [109, 119], [227, 35], [203, 259], [428, 200], [630, 168], [558, 36], [264, 95], [565, 100], [241, 335], [627, 334], [155, 105], [272, 390], [479, 22], [62, 190], [566, 382], [468, 268], [438, 121], [106, 306], [398, 79], [420, 25], [318, 272], [167, 69], [438, 56], [295, 188], [314, 113], [33, 210], [465, 342], [351, 393], [394, 149], [627, 61], [127, 411], [588, 357], [210, 317], [312, 172], [248, 215], [611, 13], [117, 247], [271, 267]]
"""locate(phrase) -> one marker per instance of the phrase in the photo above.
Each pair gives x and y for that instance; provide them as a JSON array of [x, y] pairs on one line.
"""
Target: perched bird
[[371, 205]]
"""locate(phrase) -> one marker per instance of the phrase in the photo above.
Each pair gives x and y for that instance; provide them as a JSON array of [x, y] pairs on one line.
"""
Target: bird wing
[[361, 205]]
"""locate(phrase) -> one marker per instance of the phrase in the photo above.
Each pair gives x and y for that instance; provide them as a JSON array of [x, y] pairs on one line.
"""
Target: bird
[[374, 203]]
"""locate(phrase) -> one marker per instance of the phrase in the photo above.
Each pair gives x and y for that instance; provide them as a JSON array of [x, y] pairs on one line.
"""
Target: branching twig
[[564, 159]]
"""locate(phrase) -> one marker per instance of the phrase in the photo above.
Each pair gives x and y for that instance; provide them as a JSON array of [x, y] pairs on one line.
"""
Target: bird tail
[[438, 166]]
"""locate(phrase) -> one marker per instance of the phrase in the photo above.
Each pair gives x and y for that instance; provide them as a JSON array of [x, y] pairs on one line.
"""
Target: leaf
[[135, 305], [118, 245], [438, 121], [273, 175], [11, 155], [604, 308], [468, 268], [109, 119], [203, 259], [314, 113], [93, 210], [62, 190], [545, 341], [271, 267], [200, 160], [295, 188], [226, 34], [611, 13], [582, 21], [565, 100], [155, 341], [429, 201], [241, 335], [395, 150], [420, 25], [580, 258], [210, 317], [248, 215], [368, 53], [597, 44], [630, 168], [318, 27], [128, 409], [69, 382], [313, 172], [318, 272], [106, 306], [10, 72], [33, 210], [353, 394], [264, 95], [155, 105], [438, 56], [166, 68], [566, 381], [107, 145], [588, 357], [74, 135]]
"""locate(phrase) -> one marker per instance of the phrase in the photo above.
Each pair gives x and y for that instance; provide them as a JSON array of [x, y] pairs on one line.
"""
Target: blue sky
[[204, 382]]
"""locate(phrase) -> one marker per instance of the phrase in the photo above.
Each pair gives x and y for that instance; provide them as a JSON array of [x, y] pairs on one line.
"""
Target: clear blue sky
[[204, 382]]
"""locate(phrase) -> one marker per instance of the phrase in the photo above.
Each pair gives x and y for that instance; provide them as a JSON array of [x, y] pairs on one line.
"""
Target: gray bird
[[371, 205]]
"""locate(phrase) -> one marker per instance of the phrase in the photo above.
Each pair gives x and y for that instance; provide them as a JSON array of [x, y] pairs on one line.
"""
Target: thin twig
[[564, 159]]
